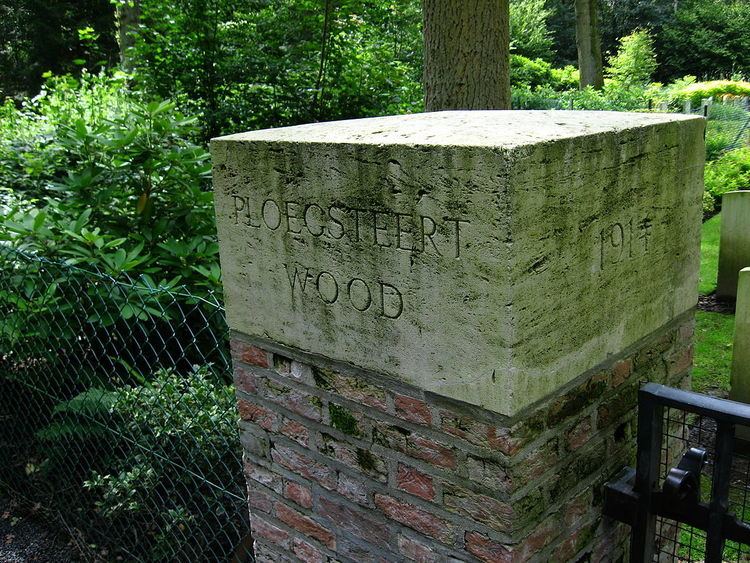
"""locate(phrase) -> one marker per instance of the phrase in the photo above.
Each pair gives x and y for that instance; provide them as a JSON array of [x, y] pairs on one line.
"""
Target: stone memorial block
[[488, 257], [734, 248], [440, 322]]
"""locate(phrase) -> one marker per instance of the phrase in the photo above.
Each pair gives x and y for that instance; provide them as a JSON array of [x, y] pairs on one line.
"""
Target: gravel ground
[[25, 538]]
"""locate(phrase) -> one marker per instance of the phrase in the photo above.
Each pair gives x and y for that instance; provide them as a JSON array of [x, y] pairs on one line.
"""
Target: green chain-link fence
[[117, 414]]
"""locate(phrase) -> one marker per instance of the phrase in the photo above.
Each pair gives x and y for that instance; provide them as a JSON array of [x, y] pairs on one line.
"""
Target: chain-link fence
[[117, 414], [727, 127]]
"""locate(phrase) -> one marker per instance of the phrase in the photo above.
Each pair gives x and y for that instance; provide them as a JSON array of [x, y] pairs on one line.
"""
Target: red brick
[[252, 412], [416, 551], [348, 550], [414, 445], [490, 474], [466, 428], [263, 476], [508, 441], [486, 549], [298, 493], [307, 552], [244, 380], [578, 434], [621, 371], [538, 540], [415, 482], [504, 440], [480, 508], [535, 464], [682, 362], [305, 525], [574, 542], [296, 431], [258, 501], [265, 554], [686, 332], [577, 399], [267, 531], [578, 510], [353, 388], [295, 400], [358, 523], [614, 408], [412, 410], [416, 518], [304, 466], [353, 489], [250, 354], [359, 459], [434, 453]]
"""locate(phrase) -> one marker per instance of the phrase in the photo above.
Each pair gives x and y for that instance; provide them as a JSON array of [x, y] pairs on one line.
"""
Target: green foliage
[[249, 65], [710, 237], [729, 172], [528, 73], [635, 62], [695, 92], [706, 38], [529, 34], [58, 36], [137, 431], [97, 175]]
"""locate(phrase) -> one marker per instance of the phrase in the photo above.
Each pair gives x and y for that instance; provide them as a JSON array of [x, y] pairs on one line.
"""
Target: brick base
[[350, 466]]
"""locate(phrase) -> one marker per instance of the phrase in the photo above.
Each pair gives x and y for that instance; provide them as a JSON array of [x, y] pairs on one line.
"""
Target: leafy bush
[[250, 65], [534, 73], [729, 172], [153, 445], [635, 62], [529, 33], [717, 89], [706, 38], [96, 174]]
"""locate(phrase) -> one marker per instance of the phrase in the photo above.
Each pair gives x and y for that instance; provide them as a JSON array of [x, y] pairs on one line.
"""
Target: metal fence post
[[650, 424]]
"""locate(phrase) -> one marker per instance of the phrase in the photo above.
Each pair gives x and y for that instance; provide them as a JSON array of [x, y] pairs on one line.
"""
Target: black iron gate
[[687, 498]]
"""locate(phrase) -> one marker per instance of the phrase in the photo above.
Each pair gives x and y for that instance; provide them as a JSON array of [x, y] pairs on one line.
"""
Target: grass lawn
[[713, 353], [709, 255], [714, 332]]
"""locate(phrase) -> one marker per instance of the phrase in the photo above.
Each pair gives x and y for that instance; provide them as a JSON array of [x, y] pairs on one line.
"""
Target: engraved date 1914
[[619, 242]]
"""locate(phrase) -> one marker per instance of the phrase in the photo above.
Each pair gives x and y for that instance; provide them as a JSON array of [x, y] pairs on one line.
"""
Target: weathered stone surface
[[490, 257], [734, 250]]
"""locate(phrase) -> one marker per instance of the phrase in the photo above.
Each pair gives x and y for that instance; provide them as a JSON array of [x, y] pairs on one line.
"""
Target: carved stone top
[[490, 257]]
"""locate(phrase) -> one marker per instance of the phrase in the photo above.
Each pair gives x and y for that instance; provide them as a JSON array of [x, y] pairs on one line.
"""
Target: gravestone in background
[[440, 321], [740, 380], [734, 247]]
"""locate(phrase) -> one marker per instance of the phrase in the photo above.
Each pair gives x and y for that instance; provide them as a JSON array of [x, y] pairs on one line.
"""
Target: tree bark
[[128, 14], [589, 44], [466, 54]]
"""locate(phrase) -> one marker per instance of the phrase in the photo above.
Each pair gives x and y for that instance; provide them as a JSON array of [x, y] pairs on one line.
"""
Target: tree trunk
[[589, 44], [128, 13], [466, 54]]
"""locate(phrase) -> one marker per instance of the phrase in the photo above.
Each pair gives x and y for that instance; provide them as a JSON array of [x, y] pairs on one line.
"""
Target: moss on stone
[[366, 460], [343, 419], [320, 377]]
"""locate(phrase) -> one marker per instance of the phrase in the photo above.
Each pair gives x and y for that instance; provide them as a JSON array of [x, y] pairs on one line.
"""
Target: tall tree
[[466, 54], [589, 44], [128, 14]]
